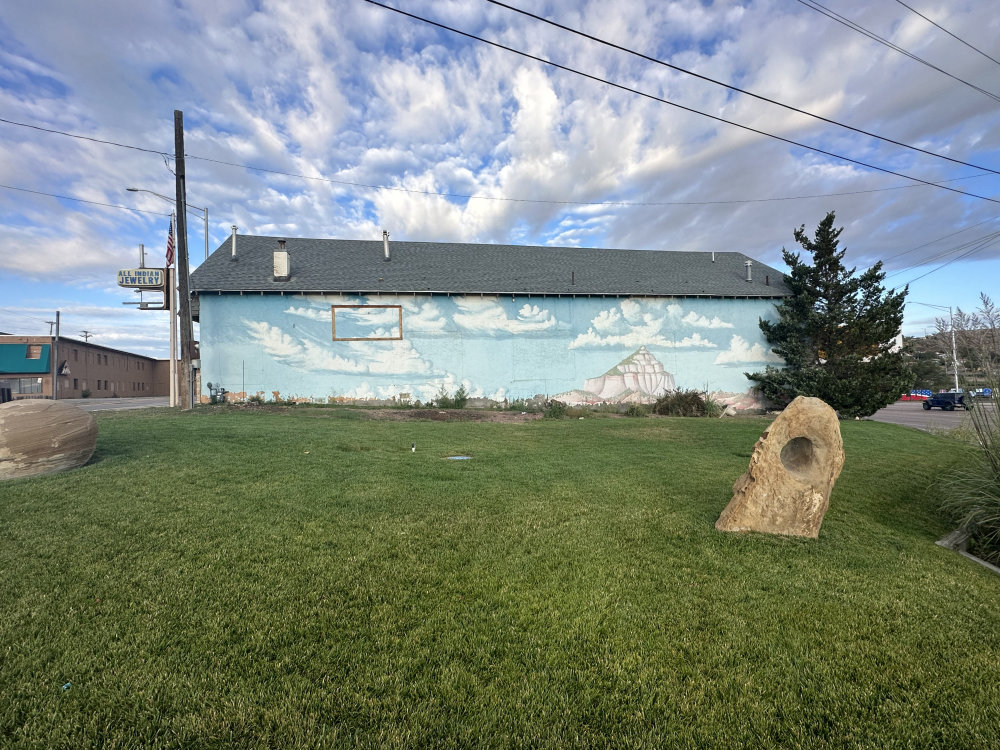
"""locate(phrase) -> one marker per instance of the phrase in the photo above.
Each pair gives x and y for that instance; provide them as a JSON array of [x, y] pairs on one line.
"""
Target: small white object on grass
[[413, 447]]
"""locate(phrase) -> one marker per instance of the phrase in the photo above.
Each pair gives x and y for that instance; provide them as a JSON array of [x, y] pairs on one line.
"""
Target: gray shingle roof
[[358, 266]]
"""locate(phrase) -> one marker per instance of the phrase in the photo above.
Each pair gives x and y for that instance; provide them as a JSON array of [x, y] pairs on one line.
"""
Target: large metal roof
[[359, 266]]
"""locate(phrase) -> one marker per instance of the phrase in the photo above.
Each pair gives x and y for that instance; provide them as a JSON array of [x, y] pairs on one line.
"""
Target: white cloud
[[351, 92], [374, 357], [639, 337], [426, 318], [700, 321], [487, 315], [606, 320], [740, 352], [636, 322], [323, 314]]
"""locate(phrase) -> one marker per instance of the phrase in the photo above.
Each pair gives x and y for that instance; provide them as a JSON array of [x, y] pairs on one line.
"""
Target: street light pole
[[204, 211], [951, 325]]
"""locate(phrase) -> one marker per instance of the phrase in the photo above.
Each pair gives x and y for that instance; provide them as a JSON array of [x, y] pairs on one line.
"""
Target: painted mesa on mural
[[329, 319]]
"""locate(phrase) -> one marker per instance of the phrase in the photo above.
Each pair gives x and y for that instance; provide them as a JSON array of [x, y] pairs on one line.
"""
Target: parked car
[[947, 401]]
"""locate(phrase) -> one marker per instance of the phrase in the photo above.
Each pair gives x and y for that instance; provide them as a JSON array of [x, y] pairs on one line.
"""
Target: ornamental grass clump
[[973, 492]]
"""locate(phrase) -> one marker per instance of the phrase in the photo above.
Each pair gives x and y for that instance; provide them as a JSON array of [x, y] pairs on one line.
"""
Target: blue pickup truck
[[947, 401]]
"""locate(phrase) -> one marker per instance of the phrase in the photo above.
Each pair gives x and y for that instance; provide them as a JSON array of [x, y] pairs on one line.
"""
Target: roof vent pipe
[[749, 265], [385, 243], [234, 243], [282, 263], [713, 256]]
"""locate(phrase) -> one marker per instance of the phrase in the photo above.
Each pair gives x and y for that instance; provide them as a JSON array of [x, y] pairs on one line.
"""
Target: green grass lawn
[[224, 578]]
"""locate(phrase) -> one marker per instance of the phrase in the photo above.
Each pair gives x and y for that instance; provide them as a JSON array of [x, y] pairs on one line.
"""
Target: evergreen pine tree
[[835, 331]]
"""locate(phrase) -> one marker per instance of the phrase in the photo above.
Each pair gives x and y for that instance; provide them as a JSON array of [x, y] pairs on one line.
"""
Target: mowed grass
[[225, 578]]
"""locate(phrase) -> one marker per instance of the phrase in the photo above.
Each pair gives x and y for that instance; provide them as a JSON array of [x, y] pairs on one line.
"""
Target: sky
[[342, 118]]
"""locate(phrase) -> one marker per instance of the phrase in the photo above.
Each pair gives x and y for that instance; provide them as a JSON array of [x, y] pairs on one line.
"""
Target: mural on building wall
[[578, 349]]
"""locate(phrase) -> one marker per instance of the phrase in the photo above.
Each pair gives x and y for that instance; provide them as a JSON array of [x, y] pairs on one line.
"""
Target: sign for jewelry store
[[142, 278]]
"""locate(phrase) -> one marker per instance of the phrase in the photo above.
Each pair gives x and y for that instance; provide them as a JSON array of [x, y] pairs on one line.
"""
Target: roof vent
[[749, 265], [282, 263], [234, 243], [385, 243]]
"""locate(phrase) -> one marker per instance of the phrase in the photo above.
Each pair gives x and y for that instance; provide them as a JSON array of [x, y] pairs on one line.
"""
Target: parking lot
[[117, 404], [913, 414]]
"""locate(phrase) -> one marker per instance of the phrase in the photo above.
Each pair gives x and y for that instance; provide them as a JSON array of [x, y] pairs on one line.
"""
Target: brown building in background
[[27, 364]]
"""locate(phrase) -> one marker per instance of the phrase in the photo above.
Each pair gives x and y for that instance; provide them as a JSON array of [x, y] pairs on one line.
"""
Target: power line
[[81, 200], [736, 88], [931, 242], [572, 203], [823, 10], [470, 196], [9, 311], [674, 104], [964, 255], [85, 137], [966, 249], [953, 36]]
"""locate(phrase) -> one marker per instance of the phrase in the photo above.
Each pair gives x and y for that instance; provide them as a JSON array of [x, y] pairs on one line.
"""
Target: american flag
[[170, 243]]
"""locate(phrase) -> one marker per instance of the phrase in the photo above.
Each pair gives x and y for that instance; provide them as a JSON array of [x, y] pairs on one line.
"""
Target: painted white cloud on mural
[[377, 315], [700, 321], [639, 337], [606, 320], [372, 357], [486, 315], [740, 351], [633, 323], [391, 358], [425, 318], [321, 314]]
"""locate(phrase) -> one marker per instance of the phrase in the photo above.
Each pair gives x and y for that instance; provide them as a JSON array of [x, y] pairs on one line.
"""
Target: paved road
[[913, 414], [117, 404]]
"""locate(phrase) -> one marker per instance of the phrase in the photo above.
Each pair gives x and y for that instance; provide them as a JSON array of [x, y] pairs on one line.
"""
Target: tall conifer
[[835, 332]]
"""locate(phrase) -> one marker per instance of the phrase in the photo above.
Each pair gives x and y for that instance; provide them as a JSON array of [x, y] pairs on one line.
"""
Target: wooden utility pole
[[184, 301], [55, 357]]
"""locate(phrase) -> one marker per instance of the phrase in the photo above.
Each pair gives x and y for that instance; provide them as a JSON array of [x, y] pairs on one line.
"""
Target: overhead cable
[[468, 196], [737, 89], [947, 236], [963, 256], [953, 36], [81, 200], [463, 195], [823, 10], [674, 104], [85, 137]]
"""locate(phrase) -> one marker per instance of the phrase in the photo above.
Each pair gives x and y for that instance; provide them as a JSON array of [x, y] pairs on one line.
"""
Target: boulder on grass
[[786, 489], [43, 437]]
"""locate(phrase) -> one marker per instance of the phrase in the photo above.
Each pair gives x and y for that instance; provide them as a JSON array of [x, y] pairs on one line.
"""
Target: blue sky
[[394, 121]]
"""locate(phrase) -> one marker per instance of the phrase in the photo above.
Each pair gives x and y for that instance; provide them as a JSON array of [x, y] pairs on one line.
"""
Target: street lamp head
[[133, 190]]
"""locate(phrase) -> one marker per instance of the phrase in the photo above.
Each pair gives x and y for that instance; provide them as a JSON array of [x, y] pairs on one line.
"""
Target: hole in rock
[[797, 456]]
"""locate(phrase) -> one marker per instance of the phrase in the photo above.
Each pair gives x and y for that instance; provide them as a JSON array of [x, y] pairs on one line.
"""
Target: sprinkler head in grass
[[413, 447]]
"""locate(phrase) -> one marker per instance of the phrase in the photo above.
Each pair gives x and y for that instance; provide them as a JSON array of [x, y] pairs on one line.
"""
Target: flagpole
[[171, 291]]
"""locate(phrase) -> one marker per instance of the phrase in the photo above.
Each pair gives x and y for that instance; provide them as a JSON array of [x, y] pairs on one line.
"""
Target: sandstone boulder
[[786, 489], [40, 436]]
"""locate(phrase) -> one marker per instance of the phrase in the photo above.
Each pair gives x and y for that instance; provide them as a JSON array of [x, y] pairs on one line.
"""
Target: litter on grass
[[458, 458]]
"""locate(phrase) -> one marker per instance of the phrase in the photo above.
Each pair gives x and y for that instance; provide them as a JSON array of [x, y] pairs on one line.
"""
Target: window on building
[[26, 385], [34, 351], [367, 322], [76, 384], [76, 356]]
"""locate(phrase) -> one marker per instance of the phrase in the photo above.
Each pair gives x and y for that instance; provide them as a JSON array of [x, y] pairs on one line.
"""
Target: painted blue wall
[[498, 347]]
